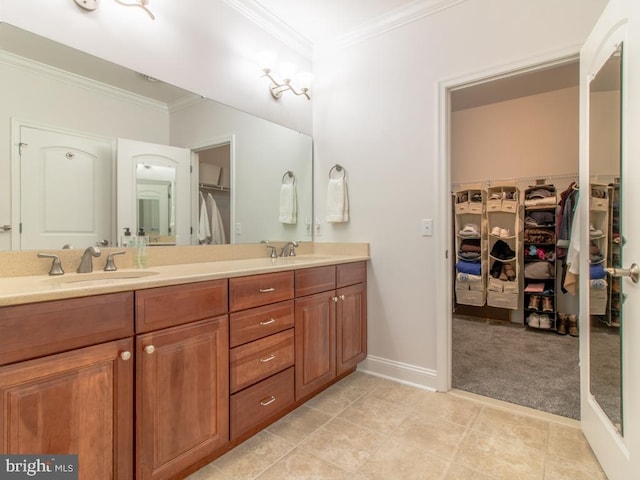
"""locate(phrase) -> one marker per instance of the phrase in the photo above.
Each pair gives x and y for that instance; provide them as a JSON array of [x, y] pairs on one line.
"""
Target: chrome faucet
[[86, 263], [292, 249]]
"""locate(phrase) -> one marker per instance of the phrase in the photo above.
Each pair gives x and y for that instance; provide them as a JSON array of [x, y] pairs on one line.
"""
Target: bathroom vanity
[[152, 376]]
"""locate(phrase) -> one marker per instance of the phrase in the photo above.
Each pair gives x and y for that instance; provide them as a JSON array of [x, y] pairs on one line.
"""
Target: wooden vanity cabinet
[[331, 335], [77, 396], [182, 381], [262, 354]]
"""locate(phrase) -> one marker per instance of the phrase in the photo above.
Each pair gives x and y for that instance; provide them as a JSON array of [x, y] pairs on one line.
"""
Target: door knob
[[5, 228], [633, 272]]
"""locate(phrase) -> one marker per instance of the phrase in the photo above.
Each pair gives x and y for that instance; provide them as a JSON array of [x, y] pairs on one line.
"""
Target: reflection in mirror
[[606, 321], [155, 209], [75, 93]]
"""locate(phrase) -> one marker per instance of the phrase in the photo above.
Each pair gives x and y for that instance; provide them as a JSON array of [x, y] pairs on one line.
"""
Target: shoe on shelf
[[534, 302], [562, 324], [495, 231], [572, 325], [534, 320], [547, 304], [509, 272], [545, 321]]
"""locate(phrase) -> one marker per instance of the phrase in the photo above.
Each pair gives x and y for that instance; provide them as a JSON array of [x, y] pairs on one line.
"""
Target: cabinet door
[[351, 326], [79, 402], [315, 342], [182, 395]]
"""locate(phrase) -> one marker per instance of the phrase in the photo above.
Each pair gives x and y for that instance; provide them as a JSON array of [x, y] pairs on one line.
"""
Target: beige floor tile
[[376, 414], [208, 472], [299, 465], [395, 392], [528, 431], [343, 444], [299, 424], [461, 472], [431, 434], [454, 409], [501, 458], [335, 399], [395, 460], [360, 381], [559, 468], [570, 443], [250, 458]]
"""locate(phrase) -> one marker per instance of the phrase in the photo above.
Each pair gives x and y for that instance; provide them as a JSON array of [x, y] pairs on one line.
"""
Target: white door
[[142, 162], [65, 194], [617, 447]]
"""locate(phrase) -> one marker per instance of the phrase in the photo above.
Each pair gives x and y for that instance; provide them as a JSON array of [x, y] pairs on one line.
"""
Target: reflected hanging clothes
[[204, 229], [215, 221]]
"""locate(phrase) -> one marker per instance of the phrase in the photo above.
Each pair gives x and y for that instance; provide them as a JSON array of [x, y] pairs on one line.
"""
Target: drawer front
[[257, 360], [264, 400], [168, 306], [258, 290], [38, 329], [315, 280], [351, 273], [260, 322]]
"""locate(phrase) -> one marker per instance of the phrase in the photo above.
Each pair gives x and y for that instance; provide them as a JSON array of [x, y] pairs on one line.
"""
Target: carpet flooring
[[509, 362]]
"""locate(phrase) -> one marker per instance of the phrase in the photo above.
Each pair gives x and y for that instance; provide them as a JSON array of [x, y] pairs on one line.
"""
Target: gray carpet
[[508, 362]]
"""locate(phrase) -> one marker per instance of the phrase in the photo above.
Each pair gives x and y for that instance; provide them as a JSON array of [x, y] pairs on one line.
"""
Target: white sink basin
[[103, 278]]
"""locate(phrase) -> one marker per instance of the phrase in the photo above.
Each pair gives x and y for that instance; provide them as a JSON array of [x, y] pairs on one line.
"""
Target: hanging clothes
[[218, 236], [204, 228]]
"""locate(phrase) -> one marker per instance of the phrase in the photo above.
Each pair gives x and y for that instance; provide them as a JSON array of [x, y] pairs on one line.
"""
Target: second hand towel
[[337, 201], [288, 203]]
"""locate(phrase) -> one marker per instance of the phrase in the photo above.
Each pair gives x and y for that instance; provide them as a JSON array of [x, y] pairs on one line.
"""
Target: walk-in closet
[[214, 200]]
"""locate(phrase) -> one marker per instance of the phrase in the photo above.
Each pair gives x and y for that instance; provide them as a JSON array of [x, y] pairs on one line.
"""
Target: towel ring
[[338, 168], [288, 174]]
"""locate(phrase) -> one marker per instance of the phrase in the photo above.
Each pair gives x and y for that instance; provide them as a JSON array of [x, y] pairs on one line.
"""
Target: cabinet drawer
[[256, 404], [351, 273], [254, 361], [257, 290], [315, 280], [168, 306], [259, 322], [35, 330]]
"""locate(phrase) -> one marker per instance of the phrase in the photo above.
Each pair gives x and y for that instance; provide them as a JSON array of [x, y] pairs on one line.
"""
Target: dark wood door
[[315, 342], [351, 326], [182, 396], [79, 402]]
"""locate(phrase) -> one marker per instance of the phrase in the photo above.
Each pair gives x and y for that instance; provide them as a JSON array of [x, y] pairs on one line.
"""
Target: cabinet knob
[[341, 297], [125, 355], [335, 299], [268, 401], [149, 349]]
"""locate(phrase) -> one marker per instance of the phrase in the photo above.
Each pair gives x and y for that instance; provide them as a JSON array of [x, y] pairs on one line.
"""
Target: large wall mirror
[[53, 88], [606, 238]]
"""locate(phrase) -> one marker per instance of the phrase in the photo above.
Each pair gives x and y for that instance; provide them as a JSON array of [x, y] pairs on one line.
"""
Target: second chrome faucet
[[86, 262]]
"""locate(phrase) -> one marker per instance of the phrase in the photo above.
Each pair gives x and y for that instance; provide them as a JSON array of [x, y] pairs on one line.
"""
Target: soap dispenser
[[142, 241], [127, 239]]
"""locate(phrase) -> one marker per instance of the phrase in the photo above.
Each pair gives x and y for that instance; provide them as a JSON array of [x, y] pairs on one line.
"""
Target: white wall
[[376, 113], [204, 46]]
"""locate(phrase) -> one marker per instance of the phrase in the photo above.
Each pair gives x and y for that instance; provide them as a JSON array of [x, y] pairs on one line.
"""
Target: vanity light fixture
[[286, 71], [93, 4]]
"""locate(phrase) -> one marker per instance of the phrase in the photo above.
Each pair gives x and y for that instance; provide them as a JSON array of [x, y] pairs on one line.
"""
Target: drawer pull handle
[[268, 401], [267, 359], [267, 290], [268, 322], [149, 349], [125, 355]]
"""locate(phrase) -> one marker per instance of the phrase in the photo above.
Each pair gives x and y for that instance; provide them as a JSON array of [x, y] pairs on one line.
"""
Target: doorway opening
[[513, 159]]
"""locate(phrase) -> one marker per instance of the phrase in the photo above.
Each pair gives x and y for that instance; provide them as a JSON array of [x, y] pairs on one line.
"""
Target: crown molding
[[273, 25], [391, 20], [53, 73]]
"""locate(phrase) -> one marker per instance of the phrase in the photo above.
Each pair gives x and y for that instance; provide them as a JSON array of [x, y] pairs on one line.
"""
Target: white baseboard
[[401, 372]]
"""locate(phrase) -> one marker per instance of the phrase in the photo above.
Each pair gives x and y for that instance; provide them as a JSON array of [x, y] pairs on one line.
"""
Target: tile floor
[[368, 428]]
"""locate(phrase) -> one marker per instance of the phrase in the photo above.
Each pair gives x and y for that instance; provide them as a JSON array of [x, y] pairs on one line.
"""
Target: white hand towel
[[204, 231], [288, 203], [337, 201]]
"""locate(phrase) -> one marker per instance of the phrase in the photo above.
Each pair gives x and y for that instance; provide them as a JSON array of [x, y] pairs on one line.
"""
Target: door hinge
[[446, 254], [20, 227], [191, 230], [21, 145], [190, 168]]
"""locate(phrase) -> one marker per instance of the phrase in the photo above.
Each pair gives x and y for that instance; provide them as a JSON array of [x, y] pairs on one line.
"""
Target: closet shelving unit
[[614, 256], [598, 248], [469, 207], [503, 246], [539, 257]]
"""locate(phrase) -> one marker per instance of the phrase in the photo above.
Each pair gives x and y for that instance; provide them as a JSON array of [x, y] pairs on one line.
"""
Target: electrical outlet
[[238, 228], [318, 228]]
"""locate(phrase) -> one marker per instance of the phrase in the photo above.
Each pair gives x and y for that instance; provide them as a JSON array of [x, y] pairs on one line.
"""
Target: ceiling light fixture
[[286, 71], [93, 4]]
